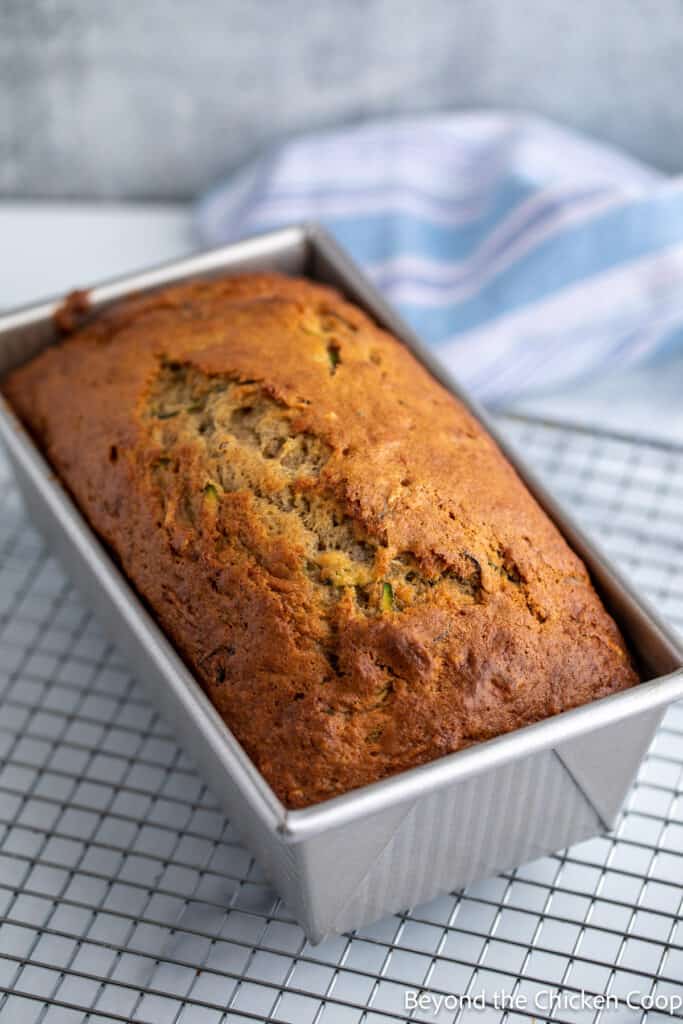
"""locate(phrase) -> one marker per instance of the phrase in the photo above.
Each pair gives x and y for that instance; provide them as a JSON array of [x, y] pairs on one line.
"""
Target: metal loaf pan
[[401, 841]]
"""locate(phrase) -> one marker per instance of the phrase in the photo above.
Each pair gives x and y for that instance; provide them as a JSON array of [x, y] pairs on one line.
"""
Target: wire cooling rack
[[125, 894]]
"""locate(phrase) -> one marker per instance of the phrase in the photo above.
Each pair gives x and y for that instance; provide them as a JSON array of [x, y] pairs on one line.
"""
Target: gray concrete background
[[158, 98]]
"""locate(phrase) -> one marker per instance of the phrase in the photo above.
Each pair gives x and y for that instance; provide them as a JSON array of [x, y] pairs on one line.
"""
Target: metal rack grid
[[125, 894]]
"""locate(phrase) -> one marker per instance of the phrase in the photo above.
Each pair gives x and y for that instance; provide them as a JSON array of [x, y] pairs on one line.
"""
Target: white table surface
[[47, 248]]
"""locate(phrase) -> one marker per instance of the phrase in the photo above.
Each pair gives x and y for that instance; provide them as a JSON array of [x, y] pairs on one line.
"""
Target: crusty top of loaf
[[341, 554]]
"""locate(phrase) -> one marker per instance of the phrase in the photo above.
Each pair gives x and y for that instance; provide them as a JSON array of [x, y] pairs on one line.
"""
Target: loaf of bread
[[338, 550]]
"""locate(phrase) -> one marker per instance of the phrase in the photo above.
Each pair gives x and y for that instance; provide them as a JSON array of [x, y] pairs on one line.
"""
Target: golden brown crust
[[341, 554]]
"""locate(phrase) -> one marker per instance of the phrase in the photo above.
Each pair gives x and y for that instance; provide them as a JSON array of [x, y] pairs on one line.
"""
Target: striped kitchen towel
[[526, 255]]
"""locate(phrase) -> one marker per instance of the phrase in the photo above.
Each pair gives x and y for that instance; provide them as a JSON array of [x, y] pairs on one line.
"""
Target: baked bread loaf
[[341, 554]]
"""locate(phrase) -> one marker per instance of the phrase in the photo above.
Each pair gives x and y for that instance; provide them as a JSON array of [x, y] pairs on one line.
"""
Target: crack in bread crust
[[249, 443], [337, 549]]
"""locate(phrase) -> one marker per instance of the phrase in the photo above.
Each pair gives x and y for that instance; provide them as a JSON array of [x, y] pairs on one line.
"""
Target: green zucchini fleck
[[198, 406], [334, 356], [211, 493], [162, 415], [387, 598]]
